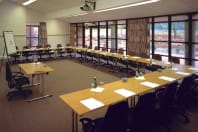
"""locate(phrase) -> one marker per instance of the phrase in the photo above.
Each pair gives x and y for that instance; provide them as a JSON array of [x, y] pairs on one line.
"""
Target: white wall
[[12, 19], [15, 17], [57, 32]]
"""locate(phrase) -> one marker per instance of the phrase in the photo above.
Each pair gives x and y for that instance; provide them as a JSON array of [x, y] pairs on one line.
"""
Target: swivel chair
[[60, 50], [26, 53], [15, 56], [115, 120], [16, 80]]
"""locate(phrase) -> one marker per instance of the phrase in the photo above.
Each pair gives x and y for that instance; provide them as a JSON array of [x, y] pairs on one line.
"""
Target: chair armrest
[[88, 124], [87, 121], [17, 73]]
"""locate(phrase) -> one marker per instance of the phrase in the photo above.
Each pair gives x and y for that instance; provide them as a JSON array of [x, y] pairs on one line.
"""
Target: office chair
[[143, 114], [15, 56], [124, 62], [40, 52], [174, 60], [26, 53], [69, 50], [16, 80], [60, 50], [115, 120], [133, 64], [183, 96], [104, 58], [152, 67], [49, 51], [95, 56], [165, 102]]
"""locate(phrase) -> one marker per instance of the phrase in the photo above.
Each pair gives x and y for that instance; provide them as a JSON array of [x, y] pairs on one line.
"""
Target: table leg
[[43, 96], [74, 122]]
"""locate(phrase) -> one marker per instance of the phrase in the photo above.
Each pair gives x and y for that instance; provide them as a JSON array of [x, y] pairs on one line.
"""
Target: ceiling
[[68, 9]]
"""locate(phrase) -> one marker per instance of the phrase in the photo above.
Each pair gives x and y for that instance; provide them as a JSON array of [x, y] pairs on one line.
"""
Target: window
[[111, 34], [196, 32], [179, 47], [178, 31], [103, 34], [32, 37], [161, 38], [94, 37], [195, 40], [121, 34], [161, 31], [87, 36], [176, 42]]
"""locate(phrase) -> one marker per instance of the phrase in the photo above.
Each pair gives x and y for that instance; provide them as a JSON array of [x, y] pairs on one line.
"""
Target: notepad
[[124, 92], [140, 78], [98, 89], [182, 73], [91, 103], [170, 79], [174, 68], [194, 68], [136, 57], [150, 84]]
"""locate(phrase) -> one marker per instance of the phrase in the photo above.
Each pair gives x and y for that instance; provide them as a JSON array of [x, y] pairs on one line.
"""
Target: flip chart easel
[[10, 46]]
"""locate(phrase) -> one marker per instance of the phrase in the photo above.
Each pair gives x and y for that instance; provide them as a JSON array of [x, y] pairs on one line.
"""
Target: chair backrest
[[25, 47], [59, 45], [169, 95], [8, 75], [131, 53], [96, 48], [112, 50], [184, 89], [116, 118], [175, 60], [157, 57], [8, 72], [104, 49], [48, 46], [144, 111], [121, 51]]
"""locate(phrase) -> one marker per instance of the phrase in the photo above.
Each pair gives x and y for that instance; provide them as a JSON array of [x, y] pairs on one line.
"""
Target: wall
[[58, 32], [15, 18], [12, 19], [56, 29]]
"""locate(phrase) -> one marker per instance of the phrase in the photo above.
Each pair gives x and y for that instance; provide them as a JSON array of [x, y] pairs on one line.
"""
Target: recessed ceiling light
[[28, 2]]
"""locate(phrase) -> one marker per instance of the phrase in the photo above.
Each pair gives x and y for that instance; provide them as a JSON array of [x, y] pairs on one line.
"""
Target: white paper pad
[[167, 62], [140, 78], [167, 78], [124, 92], [98, 89], [194, 68], [183, 73], [136, 57], [174, 68], [150, 84], [91, 103]]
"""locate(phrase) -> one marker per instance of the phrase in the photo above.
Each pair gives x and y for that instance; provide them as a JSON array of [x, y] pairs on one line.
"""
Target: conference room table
[[89, 99], [37, 69]]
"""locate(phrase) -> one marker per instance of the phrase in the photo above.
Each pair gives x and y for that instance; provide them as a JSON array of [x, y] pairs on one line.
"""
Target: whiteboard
[[9, 42]]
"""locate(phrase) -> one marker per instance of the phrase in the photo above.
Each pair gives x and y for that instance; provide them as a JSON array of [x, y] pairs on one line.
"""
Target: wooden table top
[[35, 68], [108, 96]]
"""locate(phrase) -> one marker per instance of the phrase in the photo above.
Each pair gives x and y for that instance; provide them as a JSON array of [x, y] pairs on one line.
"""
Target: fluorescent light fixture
[[128, 5], [28, 2], [79, 14]]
